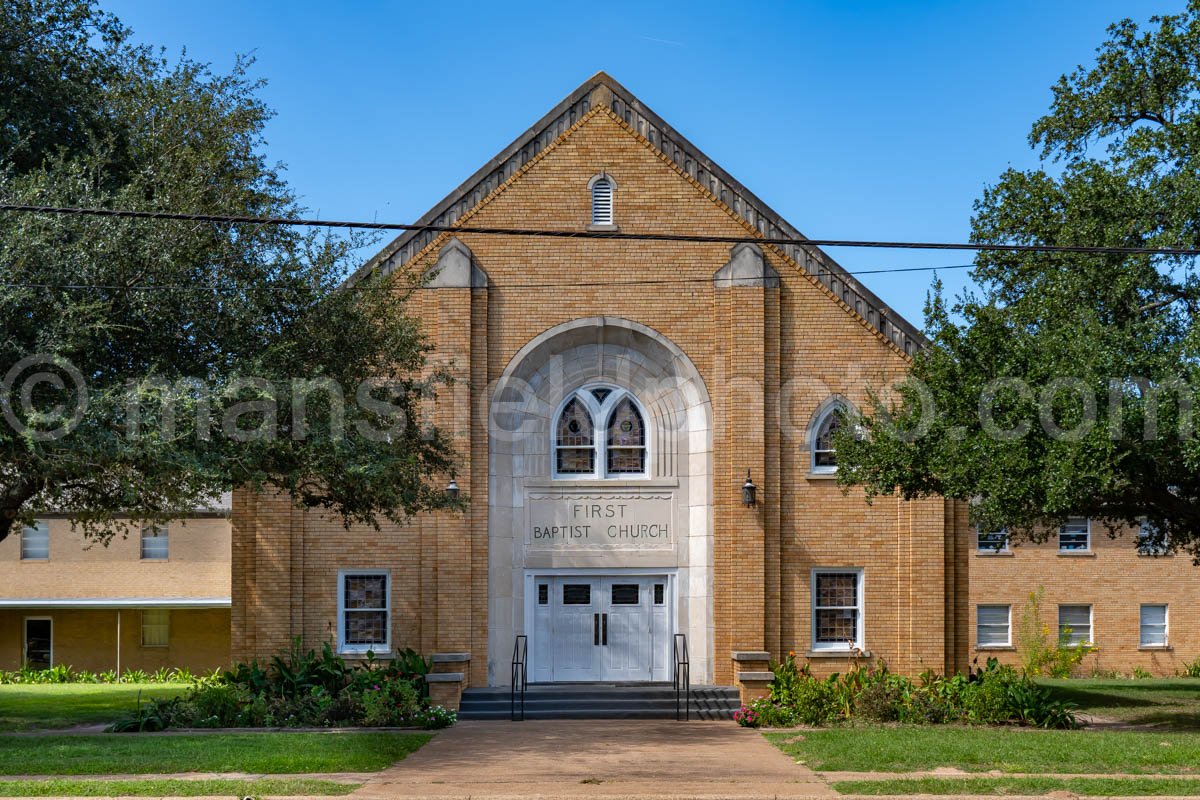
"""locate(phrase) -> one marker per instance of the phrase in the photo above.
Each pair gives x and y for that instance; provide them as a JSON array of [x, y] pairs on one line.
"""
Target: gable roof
[[601, 90]]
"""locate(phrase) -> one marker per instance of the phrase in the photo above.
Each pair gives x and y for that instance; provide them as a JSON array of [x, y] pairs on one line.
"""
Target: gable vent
[[602, 202]]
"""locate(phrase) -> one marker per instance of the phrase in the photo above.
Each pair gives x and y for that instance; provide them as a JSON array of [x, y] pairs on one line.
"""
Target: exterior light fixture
[[749, 490], [452, 490]]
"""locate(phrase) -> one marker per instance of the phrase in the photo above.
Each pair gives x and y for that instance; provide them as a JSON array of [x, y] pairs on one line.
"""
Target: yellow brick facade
[[83, 587], [1112, 578]]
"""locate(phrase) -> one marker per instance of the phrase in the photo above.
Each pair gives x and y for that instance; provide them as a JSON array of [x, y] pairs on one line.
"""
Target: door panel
[[576, 652], [627, 654]]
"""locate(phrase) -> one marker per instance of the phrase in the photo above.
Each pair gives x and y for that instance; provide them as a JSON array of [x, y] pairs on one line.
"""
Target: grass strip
[[1108, 787], [68, 787], [908, 748], [59, 705], [264, 753]]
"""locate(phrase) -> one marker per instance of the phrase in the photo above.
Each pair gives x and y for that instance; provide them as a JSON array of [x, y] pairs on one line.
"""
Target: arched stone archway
[[523, 496]]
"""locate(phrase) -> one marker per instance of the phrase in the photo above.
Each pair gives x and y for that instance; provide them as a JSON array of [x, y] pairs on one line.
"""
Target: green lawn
[[60, 787], [1165, 702], [267, 753], [60, 705], [1108, 787], [908, 748]]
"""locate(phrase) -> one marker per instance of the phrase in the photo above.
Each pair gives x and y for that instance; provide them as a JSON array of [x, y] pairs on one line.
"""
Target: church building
[[643, 430]]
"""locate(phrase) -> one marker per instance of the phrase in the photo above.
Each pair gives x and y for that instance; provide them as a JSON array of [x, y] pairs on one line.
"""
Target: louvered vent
[[602, 202]]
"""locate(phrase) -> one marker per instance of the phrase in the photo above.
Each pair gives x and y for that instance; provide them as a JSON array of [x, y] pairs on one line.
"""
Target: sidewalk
[[596, 759]]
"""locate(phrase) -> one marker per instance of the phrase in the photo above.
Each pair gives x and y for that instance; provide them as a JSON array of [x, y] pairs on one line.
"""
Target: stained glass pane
[[366, 591], [837, 589], [823, 453], [575, 426], [576, 460], [601, 394], [837, 625], [366, 627], [625, 428]]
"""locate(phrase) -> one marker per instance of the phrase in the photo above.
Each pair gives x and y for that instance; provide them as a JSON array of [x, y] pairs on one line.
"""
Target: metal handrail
[[682, 677], [520, 677]]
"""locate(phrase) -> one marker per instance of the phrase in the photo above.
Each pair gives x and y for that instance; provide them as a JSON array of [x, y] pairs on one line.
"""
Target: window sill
[[608, 228], [361, 655], [1076, 554], [601, 483], [996, 648], [994, 554], [837, 654], [1155, 648], [822, 476], [34, 560]]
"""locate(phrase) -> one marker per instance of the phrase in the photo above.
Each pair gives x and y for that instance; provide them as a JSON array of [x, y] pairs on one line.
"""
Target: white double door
[[601, 628]]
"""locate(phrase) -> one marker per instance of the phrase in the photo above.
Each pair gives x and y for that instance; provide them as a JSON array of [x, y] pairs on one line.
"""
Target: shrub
[[880, 701], [1038, 655], [746, 716], [1192, 670], [300, 688]]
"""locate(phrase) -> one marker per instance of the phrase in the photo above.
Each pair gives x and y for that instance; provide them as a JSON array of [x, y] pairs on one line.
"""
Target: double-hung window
[[1075, 535], [1075, 624], [1150, 542], [993, 626], [837, 609], [991, 541], [35, 542], [155, 543], [364, 611], [1153, 625]]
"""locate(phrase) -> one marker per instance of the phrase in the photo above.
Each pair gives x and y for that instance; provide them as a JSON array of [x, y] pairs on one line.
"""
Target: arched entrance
[[600, 541]]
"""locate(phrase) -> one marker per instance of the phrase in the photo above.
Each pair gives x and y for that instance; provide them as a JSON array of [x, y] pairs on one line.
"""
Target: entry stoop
[[599, 701]]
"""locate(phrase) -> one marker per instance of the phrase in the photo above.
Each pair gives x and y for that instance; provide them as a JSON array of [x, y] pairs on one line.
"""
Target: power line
[[618, 235], [389, 287]]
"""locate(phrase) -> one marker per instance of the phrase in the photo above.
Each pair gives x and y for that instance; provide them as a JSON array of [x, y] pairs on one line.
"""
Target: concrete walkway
[[596, 759]]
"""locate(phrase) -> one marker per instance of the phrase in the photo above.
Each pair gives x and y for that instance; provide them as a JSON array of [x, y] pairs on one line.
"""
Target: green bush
[[301, 688], [992, 695], [1192, 670], [64, 673]]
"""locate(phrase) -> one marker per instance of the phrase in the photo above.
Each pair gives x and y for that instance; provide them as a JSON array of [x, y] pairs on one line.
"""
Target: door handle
[[596, 629], [604, 617]]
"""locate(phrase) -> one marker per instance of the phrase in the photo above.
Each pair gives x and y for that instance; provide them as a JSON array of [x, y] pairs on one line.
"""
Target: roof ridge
[[603, 90]]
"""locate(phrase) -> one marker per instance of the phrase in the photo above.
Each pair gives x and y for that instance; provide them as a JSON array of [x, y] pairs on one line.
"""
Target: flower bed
[[301, 689], [992, 695]]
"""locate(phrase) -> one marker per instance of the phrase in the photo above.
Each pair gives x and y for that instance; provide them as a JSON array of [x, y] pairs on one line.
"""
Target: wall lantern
[[749, 490], [452, 490]]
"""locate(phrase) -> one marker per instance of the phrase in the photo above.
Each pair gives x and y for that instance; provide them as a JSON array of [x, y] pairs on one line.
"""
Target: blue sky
[[866, 120]]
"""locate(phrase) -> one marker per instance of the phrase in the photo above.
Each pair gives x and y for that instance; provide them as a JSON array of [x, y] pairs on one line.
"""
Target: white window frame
[[860, 592], [1166, 625], [25, 638], [834, 406], [980, 644], [1091, 640], [1088, 533], [166, 625], [599, 413], [611, 222], [980, 547], [164, 534], [43, 528], [377, 649]]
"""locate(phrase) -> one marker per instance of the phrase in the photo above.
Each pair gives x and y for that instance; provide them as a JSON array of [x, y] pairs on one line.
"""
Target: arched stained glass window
[[824, 456], [575, 445], [618, 450], [626, 440]]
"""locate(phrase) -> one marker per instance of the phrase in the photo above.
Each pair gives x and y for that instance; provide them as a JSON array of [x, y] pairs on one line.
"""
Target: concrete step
[[599, 701]]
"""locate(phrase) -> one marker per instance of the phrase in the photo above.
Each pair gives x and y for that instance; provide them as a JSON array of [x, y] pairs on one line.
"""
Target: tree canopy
[[1065, 384], [149, 365]]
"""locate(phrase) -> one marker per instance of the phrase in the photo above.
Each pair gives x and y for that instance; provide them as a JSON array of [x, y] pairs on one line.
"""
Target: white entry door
[[601, 628]]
